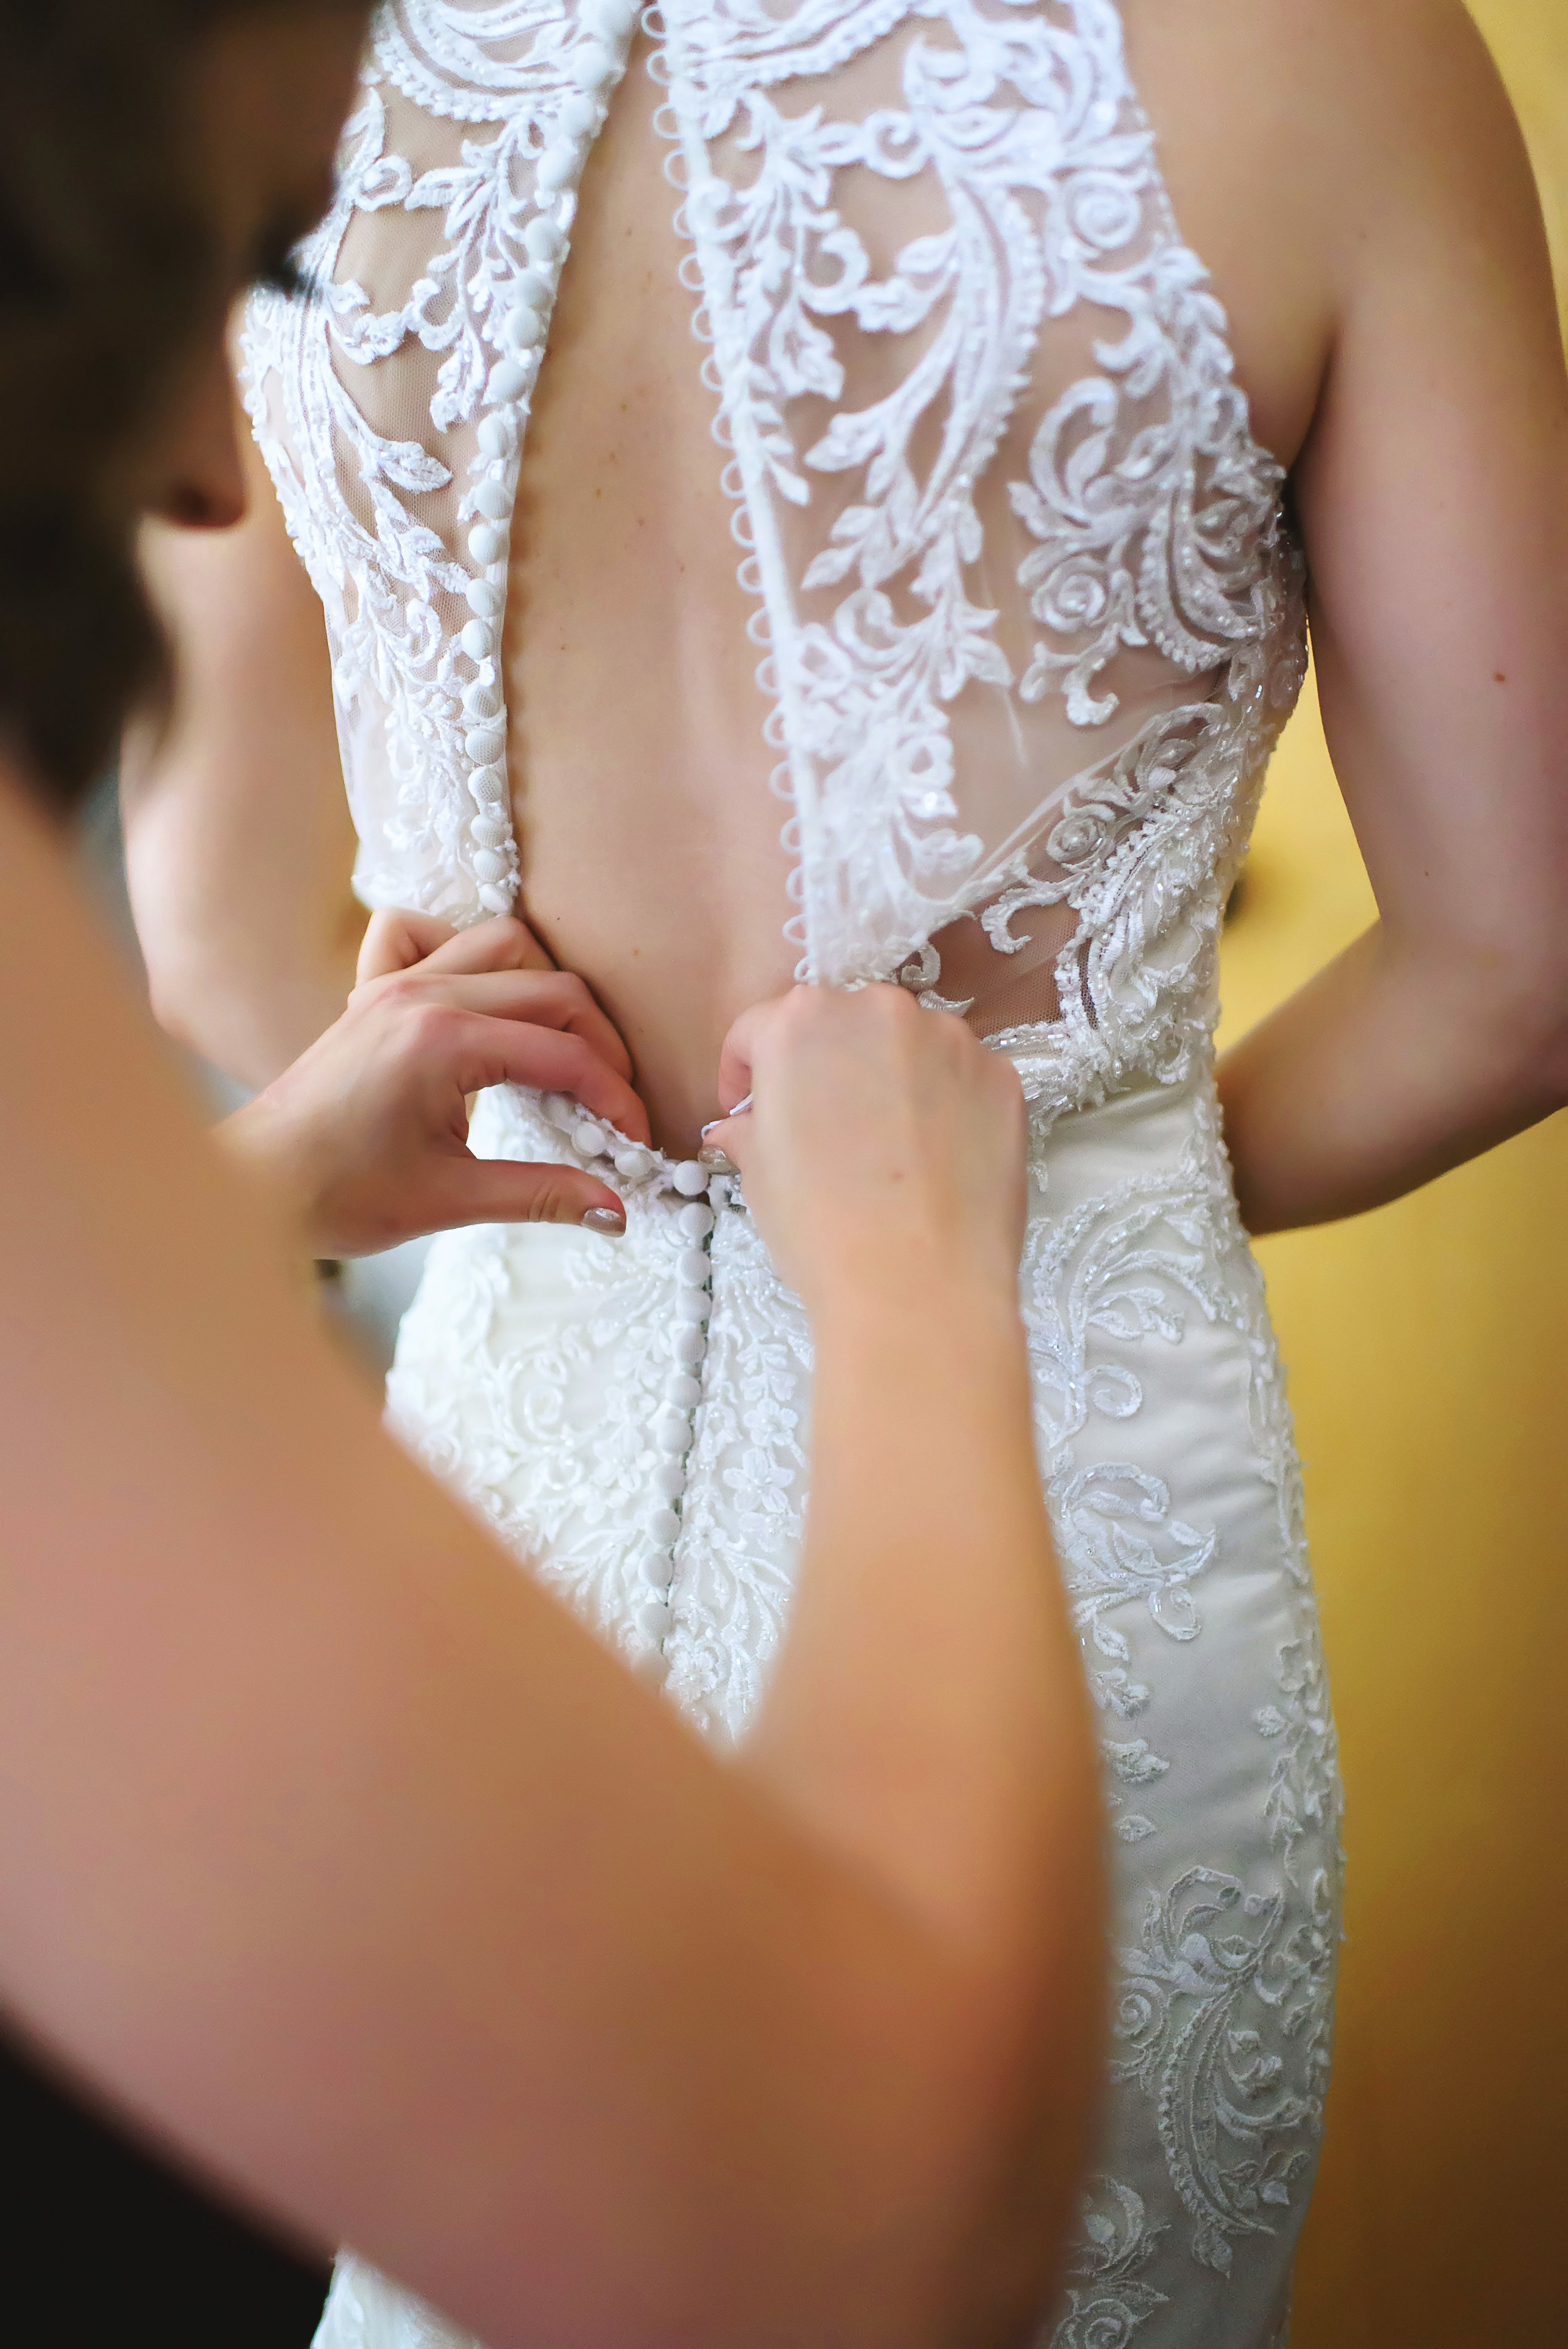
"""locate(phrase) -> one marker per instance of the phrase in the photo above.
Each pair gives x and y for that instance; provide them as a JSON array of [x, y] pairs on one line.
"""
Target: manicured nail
[[610, 1221], [716, 1161]]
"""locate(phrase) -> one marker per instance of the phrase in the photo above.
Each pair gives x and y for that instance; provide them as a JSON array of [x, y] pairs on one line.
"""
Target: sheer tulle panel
[[1020, 517]]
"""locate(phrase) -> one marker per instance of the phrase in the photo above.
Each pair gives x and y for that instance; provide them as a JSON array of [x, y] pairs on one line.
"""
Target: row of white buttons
[[691, 1229], [673, 1428], [593, 66]]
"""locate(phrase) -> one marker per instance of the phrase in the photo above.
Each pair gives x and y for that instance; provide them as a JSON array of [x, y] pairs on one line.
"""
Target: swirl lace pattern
[[1154, 515]]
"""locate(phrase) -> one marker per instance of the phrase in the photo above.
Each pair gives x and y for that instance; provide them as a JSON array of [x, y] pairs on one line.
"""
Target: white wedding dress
[[1030, 617]]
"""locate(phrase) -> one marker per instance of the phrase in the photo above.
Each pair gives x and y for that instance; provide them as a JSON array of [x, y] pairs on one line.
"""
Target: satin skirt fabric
[[530, 1371]]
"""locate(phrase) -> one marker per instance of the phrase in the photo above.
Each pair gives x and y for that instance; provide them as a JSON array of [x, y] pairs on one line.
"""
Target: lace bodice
[[1026, 606]]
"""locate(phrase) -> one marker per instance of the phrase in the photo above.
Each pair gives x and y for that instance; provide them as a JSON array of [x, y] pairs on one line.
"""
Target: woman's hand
[[882, 1141], [397, 940], [367, 1134]]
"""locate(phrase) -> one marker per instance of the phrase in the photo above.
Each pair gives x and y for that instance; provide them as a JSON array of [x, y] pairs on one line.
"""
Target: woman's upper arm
[[332, 1847], [1433, 497], [240, 851]]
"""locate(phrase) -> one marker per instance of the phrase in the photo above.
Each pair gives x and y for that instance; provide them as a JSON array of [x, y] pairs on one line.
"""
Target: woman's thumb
[[503, 1191]]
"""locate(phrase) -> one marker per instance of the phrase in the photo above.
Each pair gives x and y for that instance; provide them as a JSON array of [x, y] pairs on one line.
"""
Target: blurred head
[[156, 157]]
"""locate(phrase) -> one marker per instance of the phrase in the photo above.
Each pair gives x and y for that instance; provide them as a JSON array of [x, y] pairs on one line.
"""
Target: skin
[[340, 1858], [1354, 179], [365, 1137]]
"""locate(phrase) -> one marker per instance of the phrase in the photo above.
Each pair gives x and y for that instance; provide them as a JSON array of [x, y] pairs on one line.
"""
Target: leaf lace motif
[[1212, 1963], [1107, 2302], [1226, 2032], [1156, 515]]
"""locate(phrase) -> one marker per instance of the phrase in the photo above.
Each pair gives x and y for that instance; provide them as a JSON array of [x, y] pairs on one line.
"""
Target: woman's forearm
[[929, 1716], [250, 952], [1386, 1070], [338, 1852], [239, 847], [929, 1721]]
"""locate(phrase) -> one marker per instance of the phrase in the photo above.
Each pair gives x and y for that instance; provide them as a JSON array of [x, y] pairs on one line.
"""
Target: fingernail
[[716, 1161], [610, 1221]]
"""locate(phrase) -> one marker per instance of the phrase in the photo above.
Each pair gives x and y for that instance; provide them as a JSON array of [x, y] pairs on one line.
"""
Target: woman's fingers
[[555, 999], [545, 999], [395, 941], [502, 944], [883, 1135], [486, 1051], [735, 1053], [503, 1191]]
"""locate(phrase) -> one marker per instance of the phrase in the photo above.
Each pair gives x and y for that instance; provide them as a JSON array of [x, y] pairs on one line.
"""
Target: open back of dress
[[1027, 609]]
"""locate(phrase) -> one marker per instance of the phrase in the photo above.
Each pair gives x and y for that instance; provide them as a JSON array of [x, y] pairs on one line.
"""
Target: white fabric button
[[489, 866], [695, 1222], [487, 785], [689, 1346], [542, 241], [591, 67], [670, 1480], [493, 438], [559, 1109], [633, 1162], [665, 1527], [477, 640], [558, 165], [692, 1304], [682, 1392], [484, 597], [482, 702], [493, 499], [578, 115], [495, 900], [521, 329], [612, 20], [508, 379], [490, 832], [692, 1268], [485, 743], [672, 1430], [689, 1179], [590, 1138], [656, 1619], [486, 544]]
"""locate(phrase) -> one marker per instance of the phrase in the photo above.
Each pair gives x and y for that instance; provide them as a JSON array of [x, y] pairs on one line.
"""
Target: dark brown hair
[[106, 274]]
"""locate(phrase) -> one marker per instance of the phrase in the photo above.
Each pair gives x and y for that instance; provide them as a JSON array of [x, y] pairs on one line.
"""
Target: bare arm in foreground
[[342, 1856]]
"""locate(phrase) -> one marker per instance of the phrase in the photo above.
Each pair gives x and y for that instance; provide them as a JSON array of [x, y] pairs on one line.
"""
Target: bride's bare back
[[648, 834], [1355, 188]]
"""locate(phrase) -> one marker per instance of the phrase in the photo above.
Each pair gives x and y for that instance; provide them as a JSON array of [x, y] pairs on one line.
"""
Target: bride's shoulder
[[1346, 95], [1316, 156]]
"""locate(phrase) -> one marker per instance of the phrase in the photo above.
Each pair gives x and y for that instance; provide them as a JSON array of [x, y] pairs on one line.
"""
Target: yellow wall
[[1425, 1345]]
